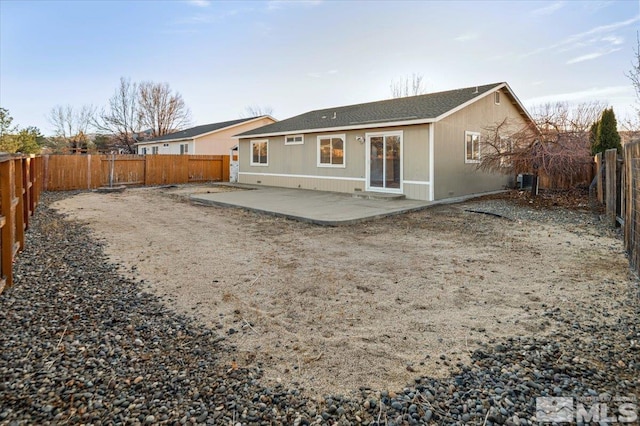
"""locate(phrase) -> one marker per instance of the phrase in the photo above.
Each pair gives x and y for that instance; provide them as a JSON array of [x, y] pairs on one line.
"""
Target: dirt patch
[[330, 310]]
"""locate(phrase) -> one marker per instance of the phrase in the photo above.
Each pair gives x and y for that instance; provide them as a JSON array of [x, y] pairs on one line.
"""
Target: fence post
[[599, 189], [7, 215], [19, 203], [225, 168], [45, 173], [611, 163]]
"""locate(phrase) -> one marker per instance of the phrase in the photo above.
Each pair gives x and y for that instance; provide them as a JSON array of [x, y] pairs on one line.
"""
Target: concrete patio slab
[[318, 207]]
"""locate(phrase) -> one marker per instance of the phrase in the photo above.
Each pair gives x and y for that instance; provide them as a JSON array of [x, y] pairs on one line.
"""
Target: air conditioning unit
[[524, 181]]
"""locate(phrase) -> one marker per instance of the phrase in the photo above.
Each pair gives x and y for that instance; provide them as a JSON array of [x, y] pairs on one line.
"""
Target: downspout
[[431, 162]]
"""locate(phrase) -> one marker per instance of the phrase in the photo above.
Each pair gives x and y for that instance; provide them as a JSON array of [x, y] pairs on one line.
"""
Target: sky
[[298, 56]]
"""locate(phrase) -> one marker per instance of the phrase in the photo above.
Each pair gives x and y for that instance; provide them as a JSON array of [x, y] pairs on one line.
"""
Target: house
[[426, 147], [209, 139]]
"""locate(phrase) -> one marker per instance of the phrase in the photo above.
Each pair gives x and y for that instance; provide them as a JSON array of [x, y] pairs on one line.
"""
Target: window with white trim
[[294, 140], [331, 151], [260, 153], [184, 148], [154, 149], [472, 147], [496, 98], [143, 151]]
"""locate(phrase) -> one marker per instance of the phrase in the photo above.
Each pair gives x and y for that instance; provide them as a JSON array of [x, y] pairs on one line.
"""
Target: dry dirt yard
[[330, 310]]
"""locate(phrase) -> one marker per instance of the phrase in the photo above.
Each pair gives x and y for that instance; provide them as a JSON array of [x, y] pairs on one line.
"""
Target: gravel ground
[[81, 344]]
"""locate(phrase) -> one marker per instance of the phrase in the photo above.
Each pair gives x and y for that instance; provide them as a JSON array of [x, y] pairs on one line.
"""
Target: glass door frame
[[368, 186]]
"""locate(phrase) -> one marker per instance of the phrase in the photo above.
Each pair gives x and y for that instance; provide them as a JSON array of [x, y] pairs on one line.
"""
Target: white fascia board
[[341, 128]]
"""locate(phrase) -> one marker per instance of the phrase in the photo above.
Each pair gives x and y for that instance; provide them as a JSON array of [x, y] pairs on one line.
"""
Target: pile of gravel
[[80, 344]]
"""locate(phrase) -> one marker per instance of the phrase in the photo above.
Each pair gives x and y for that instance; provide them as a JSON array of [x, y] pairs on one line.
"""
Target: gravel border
[[81, 344]]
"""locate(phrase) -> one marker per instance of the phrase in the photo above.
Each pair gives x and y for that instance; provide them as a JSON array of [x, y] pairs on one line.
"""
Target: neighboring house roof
[[199, 131], [399, 111]]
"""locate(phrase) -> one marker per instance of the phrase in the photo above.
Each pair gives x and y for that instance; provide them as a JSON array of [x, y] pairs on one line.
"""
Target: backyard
[[143, 308], [373, 305]]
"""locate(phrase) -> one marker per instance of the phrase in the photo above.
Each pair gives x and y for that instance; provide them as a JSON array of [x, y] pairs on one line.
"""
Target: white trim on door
[[368, 186]]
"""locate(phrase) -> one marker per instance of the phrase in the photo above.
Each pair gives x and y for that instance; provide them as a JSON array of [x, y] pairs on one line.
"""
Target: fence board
[[20, 188], [127, 170], [632, 204], [599, 186], [611, 184], [203, 168], [68, 172]]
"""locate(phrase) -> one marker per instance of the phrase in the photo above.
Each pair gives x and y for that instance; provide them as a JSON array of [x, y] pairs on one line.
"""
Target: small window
[[184, 148], [331, 151], [472, 147], [496, 98], [154, 149], [294, 140], [143, 151], [260, 153]]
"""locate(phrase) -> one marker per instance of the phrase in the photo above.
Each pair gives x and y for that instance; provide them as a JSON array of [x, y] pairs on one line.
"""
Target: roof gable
[[202, 130], [421, 108]]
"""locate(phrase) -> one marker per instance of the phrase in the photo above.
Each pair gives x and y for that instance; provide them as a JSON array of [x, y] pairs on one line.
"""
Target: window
[[154, 149], [331, 151], [294, 140], [143, 151], [184, 148], [496, 98], [259, 153], [472, 147]]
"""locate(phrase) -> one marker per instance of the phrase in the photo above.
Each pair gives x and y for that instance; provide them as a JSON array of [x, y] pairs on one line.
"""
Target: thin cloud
[[467, 37], [321, 74], [199, 3], [590, 56], [281, 4], [584, 38], [208, 18], [581, 95], [548, 10]]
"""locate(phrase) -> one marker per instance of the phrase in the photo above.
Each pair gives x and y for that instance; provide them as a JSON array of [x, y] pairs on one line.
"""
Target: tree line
[[135, 111]]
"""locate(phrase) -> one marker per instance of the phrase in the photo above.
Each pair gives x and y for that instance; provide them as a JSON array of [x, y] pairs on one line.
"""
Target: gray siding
[[454, 177]]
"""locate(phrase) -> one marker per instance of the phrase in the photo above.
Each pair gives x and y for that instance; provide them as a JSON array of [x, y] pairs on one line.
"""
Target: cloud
[[581, 95], [208, 18], [590, 56], [199, 3], [321, 74], [548, 10], [586, 38], [467, 37], [614, 40], [281, 4]]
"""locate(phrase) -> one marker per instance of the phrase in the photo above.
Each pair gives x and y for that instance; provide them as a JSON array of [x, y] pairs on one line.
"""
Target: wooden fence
[[619, 189], [68, 172], [584, 176], [20, 187]]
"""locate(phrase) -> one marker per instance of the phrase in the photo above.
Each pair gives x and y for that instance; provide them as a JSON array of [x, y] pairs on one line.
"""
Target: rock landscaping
[[81, 344]]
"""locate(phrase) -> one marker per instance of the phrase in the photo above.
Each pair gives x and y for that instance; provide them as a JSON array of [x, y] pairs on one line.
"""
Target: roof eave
[[339, 128], [212, 131]]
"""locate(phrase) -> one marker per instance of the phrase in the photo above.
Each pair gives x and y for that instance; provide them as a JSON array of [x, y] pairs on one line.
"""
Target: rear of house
[[426, 147]]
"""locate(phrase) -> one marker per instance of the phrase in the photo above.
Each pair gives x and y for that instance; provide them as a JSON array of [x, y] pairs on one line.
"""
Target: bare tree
[[161, 110], [71, 126], [412, 85], [632, 124], [256, 111], [121, 120], [557, 143]]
